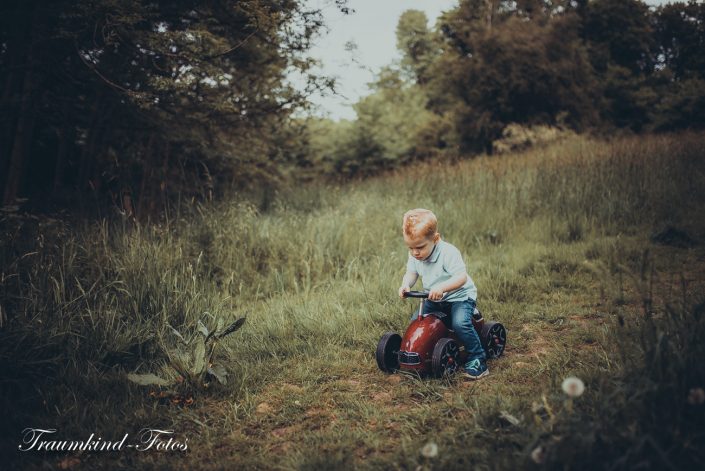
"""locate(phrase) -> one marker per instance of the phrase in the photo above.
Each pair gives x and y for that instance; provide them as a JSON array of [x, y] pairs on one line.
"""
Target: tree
[[392, 127], [679, 81], [680, 33], [619, 32], [516, 71], [149, 99], [416, 44]]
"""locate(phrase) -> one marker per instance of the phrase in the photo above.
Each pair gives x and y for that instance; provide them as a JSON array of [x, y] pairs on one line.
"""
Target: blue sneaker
[[476, 369]]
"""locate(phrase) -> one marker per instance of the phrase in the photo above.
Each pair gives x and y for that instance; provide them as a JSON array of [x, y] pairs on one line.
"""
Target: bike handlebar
[[416, 294]]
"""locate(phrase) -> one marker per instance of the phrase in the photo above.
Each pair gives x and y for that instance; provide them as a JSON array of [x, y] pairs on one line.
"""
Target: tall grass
[[316, 274]]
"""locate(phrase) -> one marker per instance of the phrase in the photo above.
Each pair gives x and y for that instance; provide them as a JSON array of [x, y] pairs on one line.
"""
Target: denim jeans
[[460, 313]]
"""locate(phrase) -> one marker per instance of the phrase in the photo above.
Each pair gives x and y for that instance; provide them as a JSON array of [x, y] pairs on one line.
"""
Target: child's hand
[[435, 295], [402, 290]]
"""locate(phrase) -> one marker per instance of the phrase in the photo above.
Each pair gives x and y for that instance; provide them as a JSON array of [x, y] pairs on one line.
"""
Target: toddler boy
[[451, 290]]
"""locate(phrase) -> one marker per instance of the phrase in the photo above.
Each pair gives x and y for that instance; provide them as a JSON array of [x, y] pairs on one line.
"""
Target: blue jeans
[[460, 313]]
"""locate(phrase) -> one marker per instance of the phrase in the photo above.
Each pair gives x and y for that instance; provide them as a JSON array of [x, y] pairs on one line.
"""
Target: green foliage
[[680, 31], [326, 143], [681, 105], [194, 366], [493, 64], [388, 121], [514, 74], [154, 101], [416, 43], [619, 32], [391, 125]]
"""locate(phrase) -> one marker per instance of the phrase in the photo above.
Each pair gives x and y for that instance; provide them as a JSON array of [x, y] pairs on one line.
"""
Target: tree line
[[587, 66], [131, 105]]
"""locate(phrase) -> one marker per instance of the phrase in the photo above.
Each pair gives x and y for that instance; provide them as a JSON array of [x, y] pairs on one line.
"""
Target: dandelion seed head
[[429, 450], [573, 387]]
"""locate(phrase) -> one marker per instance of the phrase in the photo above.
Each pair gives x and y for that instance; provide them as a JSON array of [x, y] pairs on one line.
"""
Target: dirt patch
[[264, 408], [382, 397], [538, 343], [393, 379], [285, 431], [318, 417]]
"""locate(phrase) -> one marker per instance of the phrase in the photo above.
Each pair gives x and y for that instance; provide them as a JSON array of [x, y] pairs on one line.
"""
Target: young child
[[451, 290]]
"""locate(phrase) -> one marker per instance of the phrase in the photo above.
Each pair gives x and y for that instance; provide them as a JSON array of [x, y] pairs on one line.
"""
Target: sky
[[372, 27]]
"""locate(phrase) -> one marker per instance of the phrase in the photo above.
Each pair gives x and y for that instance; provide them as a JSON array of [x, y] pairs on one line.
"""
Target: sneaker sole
[[481, 375]]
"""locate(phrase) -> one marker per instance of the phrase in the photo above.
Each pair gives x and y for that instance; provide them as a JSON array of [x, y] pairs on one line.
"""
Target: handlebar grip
[[416, 294]]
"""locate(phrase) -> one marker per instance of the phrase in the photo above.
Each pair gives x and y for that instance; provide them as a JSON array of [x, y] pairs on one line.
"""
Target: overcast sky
[[373, 29]]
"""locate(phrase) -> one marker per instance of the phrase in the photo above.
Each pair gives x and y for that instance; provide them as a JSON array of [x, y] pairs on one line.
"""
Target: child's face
[[420, 247]]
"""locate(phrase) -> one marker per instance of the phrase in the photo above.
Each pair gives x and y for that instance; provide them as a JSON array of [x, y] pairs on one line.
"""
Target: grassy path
[[334, 408]]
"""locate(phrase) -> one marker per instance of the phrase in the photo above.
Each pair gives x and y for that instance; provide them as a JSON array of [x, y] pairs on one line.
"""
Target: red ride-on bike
[[430, 346]]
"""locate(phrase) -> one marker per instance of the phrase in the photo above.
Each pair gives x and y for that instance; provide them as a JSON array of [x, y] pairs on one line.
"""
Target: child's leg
[[461, 314]]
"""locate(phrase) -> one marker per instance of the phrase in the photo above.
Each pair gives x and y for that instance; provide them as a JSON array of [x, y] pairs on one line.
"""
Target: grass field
[[590, 252]]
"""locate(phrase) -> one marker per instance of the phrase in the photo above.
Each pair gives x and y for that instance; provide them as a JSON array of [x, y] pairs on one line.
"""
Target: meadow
[[590, 252]]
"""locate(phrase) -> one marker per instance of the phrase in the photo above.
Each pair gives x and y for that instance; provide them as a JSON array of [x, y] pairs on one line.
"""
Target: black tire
[[494, 339], [445, 357], [387, 354]]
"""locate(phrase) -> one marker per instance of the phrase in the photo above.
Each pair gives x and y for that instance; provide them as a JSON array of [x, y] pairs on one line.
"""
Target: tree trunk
[[88, 155], [7, 123], [66, 136], [19, 123], [21, 141]]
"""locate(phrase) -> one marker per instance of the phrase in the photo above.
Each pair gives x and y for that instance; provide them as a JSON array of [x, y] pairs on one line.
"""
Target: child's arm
[[407, 282], [452, 284]]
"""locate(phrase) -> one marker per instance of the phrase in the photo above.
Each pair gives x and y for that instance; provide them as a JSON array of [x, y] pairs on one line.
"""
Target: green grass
[[555, 239]]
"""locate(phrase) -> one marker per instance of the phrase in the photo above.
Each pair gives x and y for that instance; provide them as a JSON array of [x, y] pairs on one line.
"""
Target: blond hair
[[419, 222]]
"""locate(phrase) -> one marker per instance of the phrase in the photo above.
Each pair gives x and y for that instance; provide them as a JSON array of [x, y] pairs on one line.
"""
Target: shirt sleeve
[[411, 266], [453, 261]]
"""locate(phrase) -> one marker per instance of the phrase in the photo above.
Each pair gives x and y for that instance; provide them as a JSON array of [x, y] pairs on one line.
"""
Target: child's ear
[[436, 236]]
